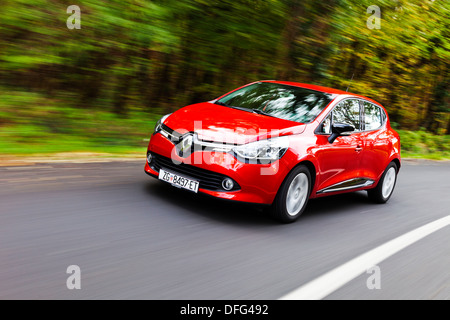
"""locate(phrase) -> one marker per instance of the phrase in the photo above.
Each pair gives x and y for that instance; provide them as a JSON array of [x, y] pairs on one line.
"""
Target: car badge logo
[[185, 144]]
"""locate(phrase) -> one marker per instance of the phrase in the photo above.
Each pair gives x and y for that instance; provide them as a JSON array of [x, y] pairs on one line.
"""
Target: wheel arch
[[397, 163], [312, 170]]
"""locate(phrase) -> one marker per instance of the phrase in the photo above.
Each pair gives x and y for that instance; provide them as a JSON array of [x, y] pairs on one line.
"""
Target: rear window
[[373, 116]]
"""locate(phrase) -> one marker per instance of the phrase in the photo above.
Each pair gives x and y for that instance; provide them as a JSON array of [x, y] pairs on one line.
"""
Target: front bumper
[[258, 183]]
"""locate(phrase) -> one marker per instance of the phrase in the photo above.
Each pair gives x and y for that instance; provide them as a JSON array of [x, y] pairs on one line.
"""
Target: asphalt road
[[134, 237]]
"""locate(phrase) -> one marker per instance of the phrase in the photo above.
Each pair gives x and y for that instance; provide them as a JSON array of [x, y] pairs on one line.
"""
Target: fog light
[[227, 184], [149, 158]]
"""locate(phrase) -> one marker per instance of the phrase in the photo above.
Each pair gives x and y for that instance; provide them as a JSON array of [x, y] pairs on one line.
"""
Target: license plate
[[178, 181]]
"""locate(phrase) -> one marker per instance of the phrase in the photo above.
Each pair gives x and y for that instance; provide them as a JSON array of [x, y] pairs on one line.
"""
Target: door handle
[[358, 148]]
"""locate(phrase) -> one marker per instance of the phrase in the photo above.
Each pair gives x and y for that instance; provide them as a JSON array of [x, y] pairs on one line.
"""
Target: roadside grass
[[33, 125], [424, 145], [120, 137]]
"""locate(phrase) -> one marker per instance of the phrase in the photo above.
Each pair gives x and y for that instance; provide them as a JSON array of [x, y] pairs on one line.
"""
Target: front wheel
[[383, 191], [293, 195]]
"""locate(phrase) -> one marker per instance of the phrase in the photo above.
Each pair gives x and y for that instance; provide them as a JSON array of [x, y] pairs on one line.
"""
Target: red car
[[280, 144]]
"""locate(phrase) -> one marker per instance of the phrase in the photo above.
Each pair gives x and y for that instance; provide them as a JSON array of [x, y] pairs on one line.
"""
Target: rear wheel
[[293, 195], [383, 191]]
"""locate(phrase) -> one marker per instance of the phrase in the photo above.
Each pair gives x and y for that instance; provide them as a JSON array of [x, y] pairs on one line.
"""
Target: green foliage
[[424, 144], [54, 126]]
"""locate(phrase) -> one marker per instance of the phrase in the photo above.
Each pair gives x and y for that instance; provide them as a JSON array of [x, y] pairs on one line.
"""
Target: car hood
[[212, 122]]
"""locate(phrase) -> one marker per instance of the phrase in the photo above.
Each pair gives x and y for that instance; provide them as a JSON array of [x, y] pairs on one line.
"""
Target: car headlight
[[160, 122], [270, 149]]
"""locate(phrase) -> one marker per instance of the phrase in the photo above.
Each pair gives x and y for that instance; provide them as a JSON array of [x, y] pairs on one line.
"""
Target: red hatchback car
[[278, 143]]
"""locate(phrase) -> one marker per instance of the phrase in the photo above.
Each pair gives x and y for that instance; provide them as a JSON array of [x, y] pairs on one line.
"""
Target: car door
[[339, 161], [375, 141]]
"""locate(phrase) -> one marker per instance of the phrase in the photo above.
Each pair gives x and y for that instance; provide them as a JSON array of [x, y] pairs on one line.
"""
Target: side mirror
[[337, 129]]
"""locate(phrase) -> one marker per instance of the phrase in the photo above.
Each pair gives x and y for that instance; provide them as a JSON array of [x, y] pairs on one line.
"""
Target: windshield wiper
[[233, 107], [263, 113], [258, 111]]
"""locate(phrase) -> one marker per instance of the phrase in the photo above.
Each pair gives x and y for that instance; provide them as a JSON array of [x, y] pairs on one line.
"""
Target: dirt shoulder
[[68, 157], [91, 157]]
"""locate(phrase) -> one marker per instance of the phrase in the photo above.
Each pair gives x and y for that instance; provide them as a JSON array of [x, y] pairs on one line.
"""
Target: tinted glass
[[326, 125], [373, 118], [281, 101], [347, 112]]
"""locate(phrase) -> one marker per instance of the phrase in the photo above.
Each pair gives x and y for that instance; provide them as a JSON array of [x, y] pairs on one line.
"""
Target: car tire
[[293, 195], [383, 191]]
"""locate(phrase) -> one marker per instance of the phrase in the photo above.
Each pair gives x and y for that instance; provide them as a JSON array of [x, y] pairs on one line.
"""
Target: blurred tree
[[159, 54]]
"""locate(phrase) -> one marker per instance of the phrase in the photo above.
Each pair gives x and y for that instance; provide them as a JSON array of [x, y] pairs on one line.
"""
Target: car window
[[373, 117], [347, 112], [279, 100], [326, 125]]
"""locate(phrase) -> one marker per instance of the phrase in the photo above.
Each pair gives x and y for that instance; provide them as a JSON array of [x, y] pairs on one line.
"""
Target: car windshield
[[279, 100]]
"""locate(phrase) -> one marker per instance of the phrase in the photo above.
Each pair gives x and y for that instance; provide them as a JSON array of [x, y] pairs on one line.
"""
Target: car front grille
[[208, 180]]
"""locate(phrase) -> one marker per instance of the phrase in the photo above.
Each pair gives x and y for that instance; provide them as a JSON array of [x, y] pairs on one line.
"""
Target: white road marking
[[329, 282]]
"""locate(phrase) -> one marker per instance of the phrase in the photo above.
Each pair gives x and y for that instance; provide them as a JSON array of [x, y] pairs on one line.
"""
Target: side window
[[373, 116], [326, 125], [347, 112]]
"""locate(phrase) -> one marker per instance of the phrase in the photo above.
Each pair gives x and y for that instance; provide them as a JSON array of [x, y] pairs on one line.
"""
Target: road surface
[[134, 237]]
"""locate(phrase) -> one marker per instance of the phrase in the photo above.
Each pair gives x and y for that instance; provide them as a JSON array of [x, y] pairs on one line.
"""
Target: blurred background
[[102, 87]]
